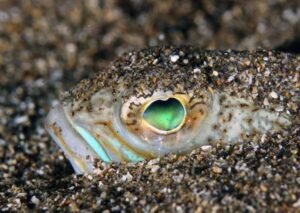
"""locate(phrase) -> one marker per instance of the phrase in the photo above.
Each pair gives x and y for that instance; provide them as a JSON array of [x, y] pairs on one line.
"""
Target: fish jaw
[[80, 155], [83, 141]]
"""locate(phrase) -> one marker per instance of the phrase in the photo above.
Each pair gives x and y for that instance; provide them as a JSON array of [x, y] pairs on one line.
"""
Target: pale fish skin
[[101, 118]]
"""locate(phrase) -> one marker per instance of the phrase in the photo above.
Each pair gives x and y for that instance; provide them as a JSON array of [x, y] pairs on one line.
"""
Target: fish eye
[[164, 116], [164, 119]]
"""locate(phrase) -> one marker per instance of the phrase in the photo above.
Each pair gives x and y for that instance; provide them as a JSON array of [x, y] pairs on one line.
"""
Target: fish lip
[[80, 156]]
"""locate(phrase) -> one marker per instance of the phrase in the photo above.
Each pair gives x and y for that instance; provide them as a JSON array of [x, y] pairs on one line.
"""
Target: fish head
[[145, 105]]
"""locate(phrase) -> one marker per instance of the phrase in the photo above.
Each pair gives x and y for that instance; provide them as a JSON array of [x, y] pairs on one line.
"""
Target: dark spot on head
[[179, 93], [233, 93], [209, 139], [197, 103], [130, 114], [222, 99], [215, 126], [133, 122], [134, 104], [191, 99], [243, 105], [249, 120], [89, 108], [230, 116]]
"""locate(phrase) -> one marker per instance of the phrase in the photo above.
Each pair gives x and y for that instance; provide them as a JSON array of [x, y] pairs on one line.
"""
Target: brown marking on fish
[[243, 105], [144, 154], [133, 122], [131, 114], [197, 103], [79, 162], [111, 148], [191, 99], [230, 117], [101, 123]]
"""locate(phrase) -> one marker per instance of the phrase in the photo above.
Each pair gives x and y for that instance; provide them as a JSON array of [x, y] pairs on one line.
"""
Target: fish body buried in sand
[[163, 100]]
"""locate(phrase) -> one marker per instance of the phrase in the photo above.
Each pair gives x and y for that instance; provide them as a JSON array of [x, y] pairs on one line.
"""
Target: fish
[[160, 100]]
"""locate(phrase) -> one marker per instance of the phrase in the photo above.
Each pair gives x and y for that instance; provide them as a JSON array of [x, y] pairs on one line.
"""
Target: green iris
[[165, 115]]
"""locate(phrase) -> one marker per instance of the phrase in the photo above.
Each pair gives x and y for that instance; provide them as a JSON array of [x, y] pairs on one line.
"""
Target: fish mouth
[[83, 143], [67, 138]]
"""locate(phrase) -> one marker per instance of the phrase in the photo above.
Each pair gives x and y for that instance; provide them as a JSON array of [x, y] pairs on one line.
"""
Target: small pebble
[[174, 58], [215, 73], [273, 95], [21, 119], [206, 147], [266, 102], [217, 169], [196, 70], [35, 200], [155, 168]]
